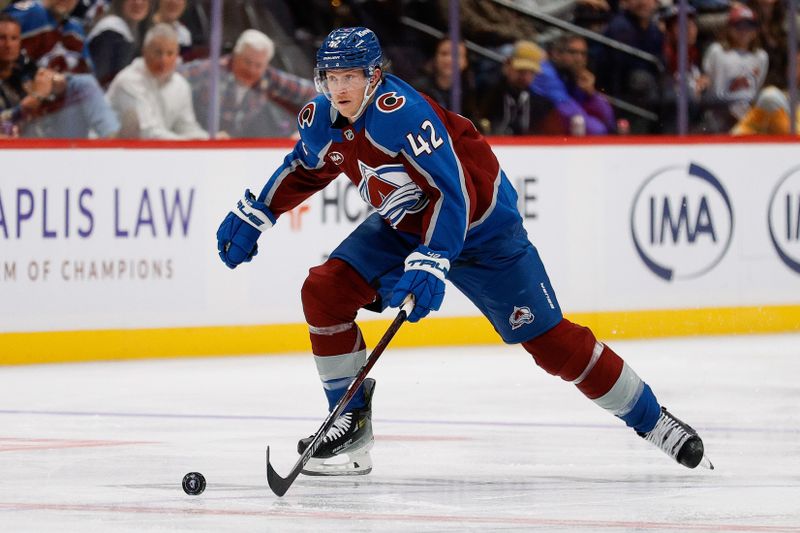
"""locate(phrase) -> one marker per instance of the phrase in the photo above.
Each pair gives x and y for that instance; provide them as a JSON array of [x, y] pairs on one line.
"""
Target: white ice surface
[[467, 439]]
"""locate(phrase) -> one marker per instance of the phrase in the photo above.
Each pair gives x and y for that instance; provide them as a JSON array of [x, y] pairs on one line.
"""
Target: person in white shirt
[[736, 66], [152, 100]]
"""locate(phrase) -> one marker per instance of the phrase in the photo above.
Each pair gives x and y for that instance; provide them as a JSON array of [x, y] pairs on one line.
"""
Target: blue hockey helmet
[[347, 48]]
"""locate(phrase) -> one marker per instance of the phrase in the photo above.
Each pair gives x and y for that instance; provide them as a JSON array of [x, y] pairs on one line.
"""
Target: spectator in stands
[[40, 102], [50, 37], [510, 107], [116, 38], [628, 77], [697, 81], [736, 66], [152, 100], [257, 99], [772, 23], [489, 24], [566, 81], [593, 15], [90, 11], [770, 114], [438, 79], [170, 12]]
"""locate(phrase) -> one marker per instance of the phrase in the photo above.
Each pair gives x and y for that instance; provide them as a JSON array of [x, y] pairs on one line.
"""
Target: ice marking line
[[420, 438], [404, 421], [12, 444], [587, 524]]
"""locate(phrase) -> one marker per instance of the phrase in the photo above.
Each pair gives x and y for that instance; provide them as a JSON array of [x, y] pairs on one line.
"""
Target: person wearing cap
[[737, 67], [510, 106]]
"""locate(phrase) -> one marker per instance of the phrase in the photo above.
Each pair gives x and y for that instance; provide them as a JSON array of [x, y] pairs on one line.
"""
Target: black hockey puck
[[194, 483]]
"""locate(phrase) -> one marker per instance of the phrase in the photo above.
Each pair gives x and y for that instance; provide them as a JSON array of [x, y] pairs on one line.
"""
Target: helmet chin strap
[[367, 97]]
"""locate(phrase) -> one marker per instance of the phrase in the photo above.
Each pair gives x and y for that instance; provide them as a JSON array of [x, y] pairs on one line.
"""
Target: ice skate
[[678, 440], [345, 449]]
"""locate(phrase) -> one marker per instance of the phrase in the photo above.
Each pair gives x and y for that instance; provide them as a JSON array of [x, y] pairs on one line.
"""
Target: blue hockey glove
[[424, 277], [238, 233]]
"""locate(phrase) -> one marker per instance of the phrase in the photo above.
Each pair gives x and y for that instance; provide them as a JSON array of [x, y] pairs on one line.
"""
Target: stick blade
[[278, 484]]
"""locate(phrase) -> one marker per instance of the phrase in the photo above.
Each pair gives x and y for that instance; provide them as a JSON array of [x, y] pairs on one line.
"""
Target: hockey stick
[[280, 485]]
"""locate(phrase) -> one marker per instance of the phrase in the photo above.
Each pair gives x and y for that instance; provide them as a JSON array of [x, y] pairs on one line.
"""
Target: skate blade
[[340, 465], [355, 462]]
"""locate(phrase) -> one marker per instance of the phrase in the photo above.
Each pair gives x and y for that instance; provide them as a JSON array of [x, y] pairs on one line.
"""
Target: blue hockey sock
[[336, 389], [644, 415]]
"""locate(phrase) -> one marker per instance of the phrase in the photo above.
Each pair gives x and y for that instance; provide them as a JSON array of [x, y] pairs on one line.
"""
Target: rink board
[[109, 251]]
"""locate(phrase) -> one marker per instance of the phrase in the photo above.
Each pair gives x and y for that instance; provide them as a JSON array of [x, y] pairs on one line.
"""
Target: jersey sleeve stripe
[[491, 205]]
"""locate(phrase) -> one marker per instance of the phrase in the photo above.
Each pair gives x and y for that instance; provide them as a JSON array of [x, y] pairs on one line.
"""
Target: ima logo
[[390, 102], [336, 157], [390, 190], [681, 222], [306, 115], [784, 219], [520, 316]]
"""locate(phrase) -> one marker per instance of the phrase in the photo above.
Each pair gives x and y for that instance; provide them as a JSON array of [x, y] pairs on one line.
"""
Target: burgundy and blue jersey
[[425, 170], [52, 43]]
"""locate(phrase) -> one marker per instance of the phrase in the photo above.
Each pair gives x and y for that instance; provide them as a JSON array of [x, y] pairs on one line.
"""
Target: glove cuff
[[423, 258], [255, 213]]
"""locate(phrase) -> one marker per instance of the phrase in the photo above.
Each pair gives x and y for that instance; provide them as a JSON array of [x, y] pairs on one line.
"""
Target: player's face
[[135, 10], [347, 90], [160, 56], [249, 65], [9, 42]]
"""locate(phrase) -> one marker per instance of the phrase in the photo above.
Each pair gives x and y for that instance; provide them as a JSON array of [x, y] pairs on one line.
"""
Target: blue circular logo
[[681, 222], [783, 219]]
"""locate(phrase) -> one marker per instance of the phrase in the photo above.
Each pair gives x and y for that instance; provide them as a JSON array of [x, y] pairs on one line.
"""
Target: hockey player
[[444, 210]]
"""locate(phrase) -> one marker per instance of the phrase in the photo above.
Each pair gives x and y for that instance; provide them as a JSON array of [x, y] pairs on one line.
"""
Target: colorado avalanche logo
[[390, 102], [391, 192], [306, 115], [520, 316]]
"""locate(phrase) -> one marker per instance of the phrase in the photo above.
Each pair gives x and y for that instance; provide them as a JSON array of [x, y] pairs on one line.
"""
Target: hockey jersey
[[49, 42], [425, 170]]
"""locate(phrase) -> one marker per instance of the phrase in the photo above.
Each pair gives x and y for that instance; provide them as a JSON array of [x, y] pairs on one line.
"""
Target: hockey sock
[[336, 373], [574, 354], [332, 295]]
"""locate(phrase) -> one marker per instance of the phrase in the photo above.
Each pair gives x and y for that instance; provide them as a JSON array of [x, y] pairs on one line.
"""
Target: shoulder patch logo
[[520, 316], [390, 102], [306, 115], [336, 157]]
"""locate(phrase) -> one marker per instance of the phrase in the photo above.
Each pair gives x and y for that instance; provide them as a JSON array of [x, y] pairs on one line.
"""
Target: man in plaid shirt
[[256, 99]]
